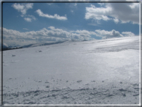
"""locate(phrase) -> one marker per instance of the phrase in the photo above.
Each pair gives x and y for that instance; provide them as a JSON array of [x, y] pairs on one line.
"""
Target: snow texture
[[87, 72]]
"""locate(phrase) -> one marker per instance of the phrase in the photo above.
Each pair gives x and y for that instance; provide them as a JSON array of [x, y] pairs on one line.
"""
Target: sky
[[30, 23]]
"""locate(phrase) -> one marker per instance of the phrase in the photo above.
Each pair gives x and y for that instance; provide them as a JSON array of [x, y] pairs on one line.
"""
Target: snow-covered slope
[[88, 72], [6, 47]]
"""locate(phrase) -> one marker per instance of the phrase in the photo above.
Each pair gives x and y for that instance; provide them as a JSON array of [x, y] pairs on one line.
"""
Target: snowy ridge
[[119, 44], [87, 72], [6, 47]]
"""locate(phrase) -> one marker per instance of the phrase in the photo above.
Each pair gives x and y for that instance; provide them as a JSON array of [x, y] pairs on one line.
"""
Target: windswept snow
[[88, 72]]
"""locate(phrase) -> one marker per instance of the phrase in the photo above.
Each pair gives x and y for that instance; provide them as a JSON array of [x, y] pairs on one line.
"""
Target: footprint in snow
[[93, 81], [10, 78], [79, 81], [13, 55], [124, 95], [46, 82], [136, 95], [122, 89], [47, 86], [135, 84], [65, 97]]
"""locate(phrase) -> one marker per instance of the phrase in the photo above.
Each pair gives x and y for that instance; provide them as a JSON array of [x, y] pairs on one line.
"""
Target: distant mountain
[[6, 47]]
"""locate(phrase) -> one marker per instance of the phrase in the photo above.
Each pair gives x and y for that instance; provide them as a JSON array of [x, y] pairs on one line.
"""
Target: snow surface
[[87, 72]]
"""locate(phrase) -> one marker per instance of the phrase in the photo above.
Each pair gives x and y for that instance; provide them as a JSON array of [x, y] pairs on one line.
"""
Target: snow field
[[88, 72]]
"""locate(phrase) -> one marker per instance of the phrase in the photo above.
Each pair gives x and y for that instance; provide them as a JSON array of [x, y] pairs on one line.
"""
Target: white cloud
[[31, 16], [55, 16], [97, 13], [116, 20], [118, 12], [23, 9], [126, 12], [108, 34], [128, 34], [28, 19], [52, 34]]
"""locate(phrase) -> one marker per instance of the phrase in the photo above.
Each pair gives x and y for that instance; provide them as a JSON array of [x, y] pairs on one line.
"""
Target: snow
[[87, 72]]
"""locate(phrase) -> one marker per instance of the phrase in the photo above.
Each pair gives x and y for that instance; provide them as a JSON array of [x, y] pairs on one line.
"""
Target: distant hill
[[6, 47]]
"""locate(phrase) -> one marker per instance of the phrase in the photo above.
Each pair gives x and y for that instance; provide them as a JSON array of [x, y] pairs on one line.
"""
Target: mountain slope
[[88, 72]]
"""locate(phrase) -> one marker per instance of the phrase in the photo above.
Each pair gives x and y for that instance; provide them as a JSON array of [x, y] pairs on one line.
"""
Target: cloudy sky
[[28, 23]]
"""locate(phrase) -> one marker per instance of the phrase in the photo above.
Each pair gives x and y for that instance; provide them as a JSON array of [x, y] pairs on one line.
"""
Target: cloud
[[28, 19], [23, 8], [52, 34], [128, 34], [116, 20], [117, 12], [97, 13], [55, 16], [108, 34]]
